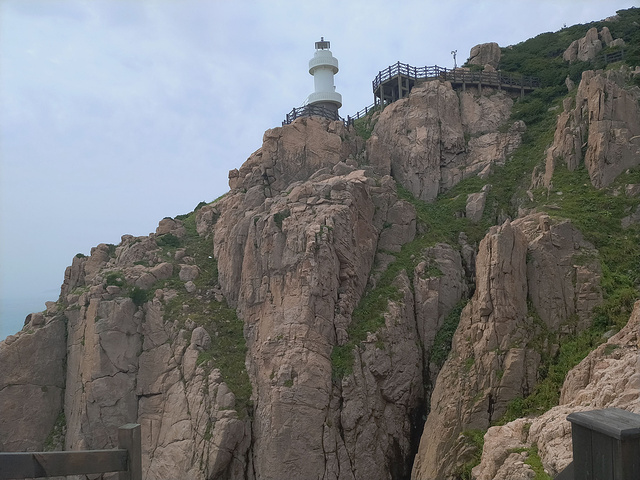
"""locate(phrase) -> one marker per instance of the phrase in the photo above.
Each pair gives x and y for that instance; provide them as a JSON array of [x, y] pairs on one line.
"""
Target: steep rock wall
[[31, 383], [495, 355], [608, 377], [437, 137], [296, 265], [129, 361], [601, 129]]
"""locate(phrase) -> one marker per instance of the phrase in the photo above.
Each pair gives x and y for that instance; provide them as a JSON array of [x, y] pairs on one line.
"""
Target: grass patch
[[475, 439], [55, 439], [139, 296], [279, 217], [228, 348], [364, 125], [442, 342], [534, 461], [115, 278], [168, 240], [597, 213], [546, 393]]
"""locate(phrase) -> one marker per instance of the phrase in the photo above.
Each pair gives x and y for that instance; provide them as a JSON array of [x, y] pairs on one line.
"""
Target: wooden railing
[[613, 57], [457, 75], [606, 446], [362, 113], [126, 459], [312, 111]]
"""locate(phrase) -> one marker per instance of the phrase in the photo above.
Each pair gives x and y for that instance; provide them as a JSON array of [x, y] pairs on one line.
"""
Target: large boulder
[[601, 128], [485, 54]]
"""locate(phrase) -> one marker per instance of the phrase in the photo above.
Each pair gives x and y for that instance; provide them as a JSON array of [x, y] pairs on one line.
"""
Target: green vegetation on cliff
[[597, 213], [228, 347]]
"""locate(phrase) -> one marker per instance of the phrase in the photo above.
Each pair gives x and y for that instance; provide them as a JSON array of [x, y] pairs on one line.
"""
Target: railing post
[[606, 444], [130, 438]]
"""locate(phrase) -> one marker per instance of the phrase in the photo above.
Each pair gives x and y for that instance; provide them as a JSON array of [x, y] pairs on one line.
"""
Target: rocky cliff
[[368, 301]]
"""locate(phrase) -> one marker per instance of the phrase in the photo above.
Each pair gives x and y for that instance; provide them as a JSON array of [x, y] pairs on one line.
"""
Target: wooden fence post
[[130, 438], [606, 444]]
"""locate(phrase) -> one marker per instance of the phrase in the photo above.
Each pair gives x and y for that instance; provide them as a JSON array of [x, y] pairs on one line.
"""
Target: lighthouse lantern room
[[323, 66]]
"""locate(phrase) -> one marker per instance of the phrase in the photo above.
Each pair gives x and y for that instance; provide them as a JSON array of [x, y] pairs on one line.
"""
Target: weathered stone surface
[[383, 395], [416, 135], [605, 36], [588, 47], [605, 119], [483, 114], [485, 54], [420, 140], [618, 42], [475, 206], [31, 385], [608, 377], [188, 272], [301, 266], [439, 284], [492, 360], [401, 229], [169, 225], [294, 152]]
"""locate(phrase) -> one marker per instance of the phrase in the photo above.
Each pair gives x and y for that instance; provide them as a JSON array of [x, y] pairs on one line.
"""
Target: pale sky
[[117, 113]]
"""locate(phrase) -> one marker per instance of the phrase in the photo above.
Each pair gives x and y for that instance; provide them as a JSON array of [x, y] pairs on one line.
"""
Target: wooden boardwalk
[[396, 81]]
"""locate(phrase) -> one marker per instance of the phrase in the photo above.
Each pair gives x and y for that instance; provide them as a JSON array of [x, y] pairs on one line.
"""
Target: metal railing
[[362, 113]]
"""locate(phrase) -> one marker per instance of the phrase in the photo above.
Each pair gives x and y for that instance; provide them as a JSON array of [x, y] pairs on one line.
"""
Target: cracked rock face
[[608, 377], [494, 357], [601, 130], [420, 140], [105, 361], [31, 384], [296, 266]]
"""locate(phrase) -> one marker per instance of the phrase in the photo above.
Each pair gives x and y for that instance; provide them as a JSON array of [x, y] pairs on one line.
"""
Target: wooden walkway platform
[[396, 81]]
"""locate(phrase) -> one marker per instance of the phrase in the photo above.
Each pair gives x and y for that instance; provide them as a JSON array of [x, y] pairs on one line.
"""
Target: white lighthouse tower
[[323, 66]]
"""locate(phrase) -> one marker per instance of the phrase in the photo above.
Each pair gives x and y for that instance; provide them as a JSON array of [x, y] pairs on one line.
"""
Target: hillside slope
[[370, 301]]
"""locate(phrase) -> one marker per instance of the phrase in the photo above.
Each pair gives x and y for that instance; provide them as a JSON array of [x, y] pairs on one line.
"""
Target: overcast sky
[[117, 113]]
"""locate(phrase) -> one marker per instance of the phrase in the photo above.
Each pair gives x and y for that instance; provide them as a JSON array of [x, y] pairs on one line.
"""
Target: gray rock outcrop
[[420, 140], [588, 47], [493, 357], [601, 129], [485, 54], [31, 383], [608, 377]]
